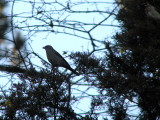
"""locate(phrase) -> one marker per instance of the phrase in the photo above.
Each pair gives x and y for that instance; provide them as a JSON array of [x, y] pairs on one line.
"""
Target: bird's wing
[[66, 63], [56, 53]]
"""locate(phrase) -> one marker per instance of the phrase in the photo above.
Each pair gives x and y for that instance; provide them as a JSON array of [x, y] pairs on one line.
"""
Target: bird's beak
[[43, 47]]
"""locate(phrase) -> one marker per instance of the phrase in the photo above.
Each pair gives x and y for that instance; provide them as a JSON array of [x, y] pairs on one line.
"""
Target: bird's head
[[47, 47]]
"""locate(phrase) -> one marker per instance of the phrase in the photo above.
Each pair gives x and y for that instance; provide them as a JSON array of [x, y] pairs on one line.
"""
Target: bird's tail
[[74, 71]]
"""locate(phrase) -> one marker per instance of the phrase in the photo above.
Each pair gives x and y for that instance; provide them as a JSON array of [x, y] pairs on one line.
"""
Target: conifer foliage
[[133, 60]]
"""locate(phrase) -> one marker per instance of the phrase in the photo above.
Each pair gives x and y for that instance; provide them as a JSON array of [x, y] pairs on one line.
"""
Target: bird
[[56, 59], [152, 12]]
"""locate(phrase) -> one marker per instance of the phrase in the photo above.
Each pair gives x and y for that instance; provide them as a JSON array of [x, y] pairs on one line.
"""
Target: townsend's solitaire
[[56, 59]]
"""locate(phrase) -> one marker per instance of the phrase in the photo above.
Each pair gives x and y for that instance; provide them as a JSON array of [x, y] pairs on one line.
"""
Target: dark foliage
[[133, 61]]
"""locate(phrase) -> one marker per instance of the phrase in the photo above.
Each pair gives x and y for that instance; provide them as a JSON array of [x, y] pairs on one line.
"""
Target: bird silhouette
[[56, 59]]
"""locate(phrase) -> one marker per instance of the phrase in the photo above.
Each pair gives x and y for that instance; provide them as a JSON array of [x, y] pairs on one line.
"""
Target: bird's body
[[56, 59]]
